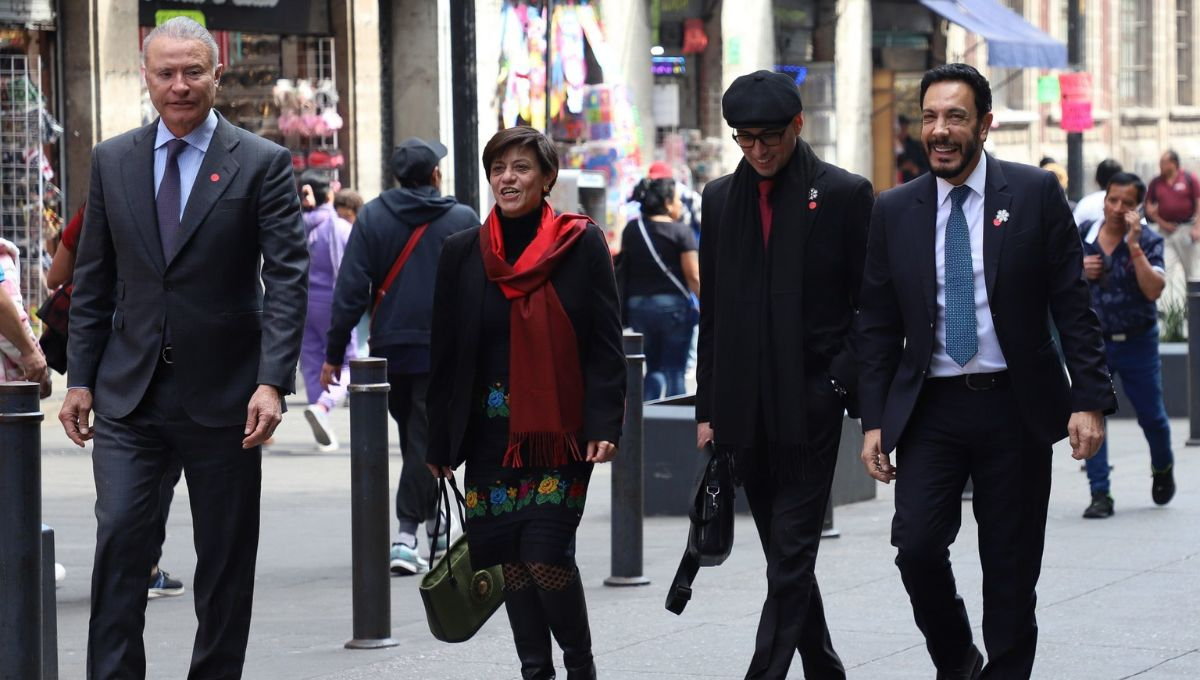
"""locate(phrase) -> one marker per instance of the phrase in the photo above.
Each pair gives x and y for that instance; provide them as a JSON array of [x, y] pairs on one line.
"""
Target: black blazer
[[827, 275], [234, 294], [1033, 265], [586, 287]]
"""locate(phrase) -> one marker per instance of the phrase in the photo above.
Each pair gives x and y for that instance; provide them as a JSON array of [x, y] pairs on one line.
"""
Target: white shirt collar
[[198, 138], [977, 180]]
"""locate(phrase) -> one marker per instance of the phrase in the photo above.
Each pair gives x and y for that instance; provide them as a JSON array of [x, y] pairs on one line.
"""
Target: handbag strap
[[443, 504], [658, 260], [398, 265], [681, 587]]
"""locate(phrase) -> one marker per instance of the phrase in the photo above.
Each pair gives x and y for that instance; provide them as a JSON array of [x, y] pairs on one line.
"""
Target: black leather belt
[[167, 355], [976, 382]]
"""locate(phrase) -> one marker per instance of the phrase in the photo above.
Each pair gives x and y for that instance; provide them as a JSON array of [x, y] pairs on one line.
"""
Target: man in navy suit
[[965, 268], [186, 320]]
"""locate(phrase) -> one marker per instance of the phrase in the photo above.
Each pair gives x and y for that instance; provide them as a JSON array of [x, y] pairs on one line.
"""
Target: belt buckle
[[168, 355], [991, 382], [1119, 337]]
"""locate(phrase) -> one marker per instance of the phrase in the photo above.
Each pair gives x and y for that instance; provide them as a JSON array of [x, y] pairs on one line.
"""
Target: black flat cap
[[761, 99], [414, 159]]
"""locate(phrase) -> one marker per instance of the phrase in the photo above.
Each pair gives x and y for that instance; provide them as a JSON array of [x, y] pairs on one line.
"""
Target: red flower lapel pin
[[812, 199], [1001, 218]]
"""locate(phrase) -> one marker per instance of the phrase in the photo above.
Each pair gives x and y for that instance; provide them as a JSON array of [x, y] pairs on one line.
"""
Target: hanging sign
[[276, 17], [1076, 101], [1048, 91]]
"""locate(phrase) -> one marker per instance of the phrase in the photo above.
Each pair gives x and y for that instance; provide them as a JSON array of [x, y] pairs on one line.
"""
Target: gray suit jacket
[[234, 294]]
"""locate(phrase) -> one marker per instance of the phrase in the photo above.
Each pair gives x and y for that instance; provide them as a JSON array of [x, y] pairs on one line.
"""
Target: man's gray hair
[[182, 28]]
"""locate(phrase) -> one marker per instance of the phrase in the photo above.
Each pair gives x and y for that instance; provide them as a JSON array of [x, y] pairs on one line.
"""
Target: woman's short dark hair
[[1127, 179], [964, 74], [655, 195], [523, 136]]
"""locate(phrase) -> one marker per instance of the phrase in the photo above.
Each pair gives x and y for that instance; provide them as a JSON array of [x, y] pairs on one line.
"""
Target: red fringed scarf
[[545, 379]]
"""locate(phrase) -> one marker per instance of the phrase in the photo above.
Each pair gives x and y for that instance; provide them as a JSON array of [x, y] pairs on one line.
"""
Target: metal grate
[[22, 183]]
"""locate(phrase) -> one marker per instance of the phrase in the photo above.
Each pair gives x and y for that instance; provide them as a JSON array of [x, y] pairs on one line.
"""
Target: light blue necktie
[[962, 340]]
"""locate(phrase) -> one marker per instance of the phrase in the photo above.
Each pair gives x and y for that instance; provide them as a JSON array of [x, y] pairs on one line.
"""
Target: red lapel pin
[[214, 177], [812, 199]]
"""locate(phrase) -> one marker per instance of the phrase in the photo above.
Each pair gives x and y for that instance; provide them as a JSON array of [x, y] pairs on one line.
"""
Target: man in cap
[[780, 267], [389, 268]]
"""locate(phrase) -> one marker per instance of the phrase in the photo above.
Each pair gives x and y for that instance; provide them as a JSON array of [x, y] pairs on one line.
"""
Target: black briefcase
[[710, 538]]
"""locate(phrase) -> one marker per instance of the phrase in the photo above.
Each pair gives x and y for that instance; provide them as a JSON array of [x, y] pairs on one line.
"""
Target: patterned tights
[[547, 577]]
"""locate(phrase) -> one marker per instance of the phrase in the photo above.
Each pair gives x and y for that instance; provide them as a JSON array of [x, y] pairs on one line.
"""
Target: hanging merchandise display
[[590, 114]]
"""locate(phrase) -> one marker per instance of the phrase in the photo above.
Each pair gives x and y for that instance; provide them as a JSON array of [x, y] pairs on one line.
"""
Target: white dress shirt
[[1090, 208], [989, 358], [189, 159]]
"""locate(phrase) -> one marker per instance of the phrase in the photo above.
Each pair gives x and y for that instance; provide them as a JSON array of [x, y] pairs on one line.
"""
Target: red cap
[[660, 170]]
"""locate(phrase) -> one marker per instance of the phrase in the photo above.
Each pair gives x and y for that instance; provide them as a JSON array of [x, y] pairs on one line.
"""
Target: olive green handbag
[[458, 599]]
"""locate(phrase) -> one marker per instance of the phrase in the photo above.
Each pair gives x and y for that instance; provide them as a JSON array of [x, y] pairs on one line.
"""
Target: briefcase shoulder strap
[[681, 588]]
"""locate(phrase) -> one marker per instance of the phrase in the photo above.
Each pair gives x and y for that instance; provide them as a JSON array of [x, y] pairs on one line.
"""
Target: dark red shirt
[[1176, 200]]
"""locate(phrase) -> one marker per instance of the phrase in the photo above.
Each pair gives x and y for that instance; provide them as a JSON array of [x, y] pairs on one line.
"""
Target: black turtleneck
[[518, 232]]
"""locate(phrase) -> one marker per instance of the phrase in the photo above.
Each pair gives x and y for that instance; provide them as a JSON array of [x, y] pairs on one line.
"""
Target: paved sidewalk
[[1118, 598]]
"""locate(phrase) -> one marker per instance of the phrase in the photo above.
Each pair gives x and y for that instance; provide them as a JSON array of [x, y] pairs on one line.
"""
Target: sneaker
[[1101, 507], [406, 561], [318, 420], [1162, 489], [162, 585], [60, 574]]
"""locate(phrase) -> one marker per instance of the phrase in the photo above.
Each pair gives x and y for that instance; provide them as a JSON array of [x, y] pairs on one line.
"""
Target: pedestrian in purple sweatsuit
[[327, 237]]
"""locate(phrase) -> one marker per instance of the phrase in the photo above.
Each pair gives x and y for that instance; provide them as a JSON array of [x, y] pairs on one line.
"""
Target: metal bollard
[[627, 501], [369, 515], [20, 532], [1193, 360], [49, 608]]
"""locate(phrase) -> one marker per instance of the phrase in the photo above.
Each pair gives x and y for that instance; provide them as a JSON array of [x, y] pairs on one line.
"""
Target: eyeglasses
[[746, 140]]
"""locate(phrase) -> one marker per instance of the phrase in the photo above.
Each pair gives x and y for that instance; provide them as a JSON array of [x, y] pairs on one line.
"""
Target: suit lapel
[[995, 199], [137, 174], [214, 177], [923, 221]]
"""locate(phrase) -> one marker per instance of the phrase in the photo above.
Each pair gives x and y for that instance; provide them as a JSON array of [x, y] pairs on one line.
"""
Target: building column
[[852, 92], [748, 40], [356, 25], [627, 31], [101, 77]]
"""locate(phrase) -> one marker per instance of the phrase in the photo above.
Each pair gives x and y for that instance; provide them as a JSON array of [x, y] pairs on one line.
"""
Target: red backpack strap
[[398, 265]]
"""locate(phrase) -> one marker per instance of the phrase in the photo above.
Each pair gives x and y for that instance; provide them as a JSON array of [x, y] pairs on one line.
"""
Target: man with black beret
[[389, 269], [781, 263]]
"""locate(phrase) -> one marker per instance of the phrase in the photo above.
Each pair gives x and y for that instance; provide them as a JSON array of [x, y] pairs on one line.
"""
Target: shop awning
[[1012, 42]]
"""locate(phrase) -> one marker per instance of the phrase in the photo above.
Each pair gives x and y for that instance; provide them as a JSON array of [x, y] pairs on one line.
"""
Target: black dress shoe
[[1101, 507], [1162, 489]]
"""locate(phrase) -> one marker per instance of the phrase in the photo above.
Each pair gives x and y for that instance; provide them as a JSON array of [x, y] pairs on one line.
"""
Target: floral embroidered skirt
[[526, 514]]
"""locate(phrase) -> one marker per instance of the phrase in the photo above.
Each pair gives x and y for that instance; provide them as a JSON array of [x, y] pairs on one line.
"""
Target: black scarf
[[774, 279]]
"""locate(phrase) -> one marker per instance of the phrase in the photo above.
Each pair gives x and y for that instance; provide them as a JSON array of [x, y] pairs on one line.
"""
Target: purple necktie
[[169, 198]]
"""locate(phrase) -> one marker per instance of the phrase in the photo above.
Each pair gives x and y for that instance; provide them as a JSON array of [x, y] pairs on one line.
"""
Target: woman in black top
[[655, 301], [527, 386]]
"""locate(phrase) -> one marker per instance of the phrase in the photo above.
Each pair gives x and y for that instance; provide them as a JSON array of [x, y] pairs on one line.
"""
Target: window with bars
[[1134, 85], [1008, 85], [1185, 94]]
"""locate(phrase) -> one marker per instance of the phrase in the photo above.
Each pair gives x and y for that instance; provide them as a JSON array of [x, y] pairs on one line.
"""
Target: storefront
[[567, 77], [280, 80], [29, 136]]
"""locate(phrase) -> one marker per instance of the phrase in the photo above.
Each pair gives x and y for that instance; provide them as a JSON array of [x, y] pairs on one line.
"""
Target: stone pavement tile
[[1178, 668], [1078, 660]]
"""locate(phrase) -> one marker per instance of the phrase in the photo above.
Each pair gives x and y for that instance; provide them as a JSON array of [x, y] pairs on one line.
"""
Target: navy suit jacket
[[234, 294], [1033, 265]]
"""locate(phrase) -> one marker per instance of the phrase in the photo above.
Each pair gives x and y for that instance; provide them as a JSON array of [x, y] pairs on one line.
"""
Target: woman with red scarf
[[527, 387]]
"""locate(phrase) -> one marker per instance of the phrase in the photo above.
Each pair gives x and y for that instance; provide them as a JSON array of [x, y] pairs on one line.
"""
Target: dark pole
[[49, 608], [1193, 360], [465, 86], [20, 532], [549, 55], [369, 503], [627, 500], [1075, 34]]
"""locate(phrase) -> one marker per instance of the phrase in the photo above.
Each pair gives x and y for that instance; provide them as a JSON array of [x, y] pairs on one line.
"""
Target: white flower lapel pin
[[1001, 218], [812, 198]]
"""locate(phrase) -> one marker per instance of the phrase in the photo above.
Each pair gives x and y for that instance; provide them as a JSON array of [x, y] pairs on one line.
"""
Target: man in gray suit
[[186, 322]]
